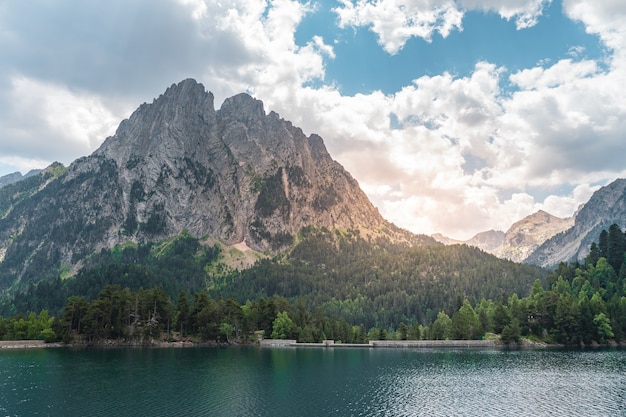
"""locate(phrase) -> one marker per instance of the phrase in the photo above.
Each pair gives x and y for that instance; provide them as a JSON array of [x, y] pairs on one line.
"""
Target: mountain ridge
[[606, 206], [527, 234], [235, 174], [14, 177], [487, 241], [520, 240]]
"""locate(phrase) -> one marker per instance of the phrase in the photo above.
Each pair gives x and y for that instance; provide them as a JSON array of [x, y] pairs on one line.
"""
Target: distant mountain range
[[605, 207], [487, 241], [526, 235], [546, 240], [16, 177]]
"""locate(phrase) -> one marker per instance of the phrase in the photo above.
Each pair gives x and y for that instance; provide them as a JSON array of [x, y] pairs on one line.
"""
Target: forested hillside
[[335, 285], [17, 192], [376, 282], [583, 303], [174, 265], [359, 278]]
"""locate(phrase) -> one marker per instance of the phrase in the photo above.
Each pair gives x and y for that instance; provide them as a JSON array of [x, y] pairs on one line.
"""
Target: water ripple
[[313, 382]]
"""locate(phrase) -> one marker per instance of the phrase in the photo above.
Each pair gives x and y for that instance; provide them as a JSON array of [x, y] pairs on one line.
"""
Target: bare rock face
[[526, 235], [236, 174], [605, 207]]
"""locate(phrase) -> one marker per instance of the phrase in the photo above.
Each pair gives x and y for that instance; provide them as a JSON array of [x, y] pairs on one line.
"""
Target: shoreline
[[398, 344], [326, 344], [403, 344], [28, 344]]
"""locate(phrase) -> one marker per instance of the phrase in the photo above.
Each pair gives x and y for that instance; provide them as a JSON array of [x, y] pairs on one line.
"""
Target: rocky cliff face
[[236, 174], [605, 207], [524, 236]]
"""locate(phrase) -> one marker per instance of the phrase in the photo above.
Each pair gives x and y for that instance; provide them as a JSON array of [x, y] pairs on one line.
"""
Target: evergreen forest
[[336, 285]]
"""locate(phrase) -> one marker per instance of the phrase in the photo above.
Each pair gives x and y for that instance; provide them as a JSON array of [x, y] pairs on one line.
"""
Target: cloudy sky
[[455, 116]]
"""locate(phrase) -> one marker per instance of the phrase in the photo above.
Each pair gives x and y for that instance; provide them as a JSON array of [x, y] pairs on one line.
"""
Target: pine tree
[[594, 255], [603, 244], [615, 247], [182, 313]]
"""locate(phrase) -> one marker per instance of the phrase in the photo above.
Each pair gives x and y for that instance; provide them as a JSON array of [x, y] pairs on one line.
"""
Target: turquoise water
[[311, 382]]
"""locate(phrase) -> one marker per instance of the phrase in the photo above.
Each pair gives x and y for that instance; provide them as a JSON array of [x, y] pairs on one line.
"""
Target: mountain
[[379, 283], [526, 235], [486, 241], [16, 177], [522, 238], [605, 207], [237, 175], [445, 239]]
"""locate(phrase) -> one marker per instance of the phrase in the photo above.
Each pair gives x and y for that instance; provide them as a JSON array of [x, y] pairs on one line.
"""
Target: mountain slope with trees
[[579, 304], [377, 282], [369, 280], [236, 174]]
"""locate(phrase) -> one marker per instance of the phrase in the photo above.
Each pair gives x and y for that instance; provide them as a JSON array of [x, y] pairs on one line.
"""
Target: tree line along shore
[[580, 303]]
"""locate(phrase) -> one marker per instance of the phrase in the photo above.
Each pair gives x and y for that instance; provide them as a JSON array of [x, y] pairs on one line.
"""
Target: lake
[[250, 381]]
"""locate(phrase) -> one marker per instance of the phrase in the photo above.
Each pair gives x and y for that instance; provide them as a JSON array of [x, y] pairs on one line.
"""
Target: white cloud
[[604, 18], [318, 42], [52, 122], [396, 21], [264, 34], [563, 72], [198, 8], [566, 205], [525, 12], [459, 143], [15, 163]]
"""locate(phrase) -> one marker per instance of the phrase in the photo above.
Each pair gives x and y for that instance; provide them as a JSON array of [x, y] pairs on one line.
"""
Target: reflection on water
[[312, 382]]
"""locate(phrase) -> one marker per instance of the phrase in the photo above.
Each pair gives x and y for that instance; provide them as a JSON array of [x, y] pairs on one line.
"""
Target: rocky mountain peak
[[524, 236], [488, 240], [164, 127], [237, 175], [243, 108], [10, 178]]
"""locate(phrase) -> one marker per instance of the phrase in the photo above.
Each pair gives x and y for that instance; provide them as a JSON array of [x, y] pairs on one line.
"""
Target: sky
[[455, 116]]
